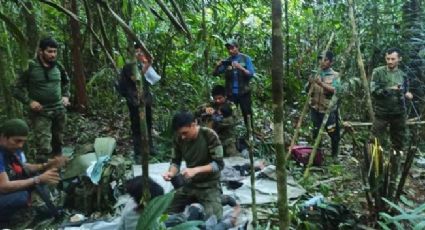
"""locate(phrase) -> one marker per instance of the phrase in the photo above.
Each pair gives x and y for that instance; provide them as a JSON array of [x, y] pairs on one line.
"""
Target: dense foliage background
[[186, 39]]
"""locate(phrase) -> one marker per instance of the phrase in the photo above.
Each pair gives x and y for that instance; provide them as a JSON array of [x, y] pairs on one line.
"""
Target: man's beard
[[51, 62]]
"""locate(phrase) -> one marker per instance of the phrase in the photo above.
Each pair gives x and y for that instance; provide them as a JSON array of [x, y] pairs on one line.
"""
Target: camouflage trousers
[[209, 198], [48, 128], [229, 147], [397, 130]]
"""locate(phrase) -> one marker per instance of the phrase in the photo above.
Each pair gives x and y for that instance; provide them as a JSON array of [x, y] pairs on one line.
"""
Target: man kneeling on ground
[[200, 147], [15, 184], [219, 114]]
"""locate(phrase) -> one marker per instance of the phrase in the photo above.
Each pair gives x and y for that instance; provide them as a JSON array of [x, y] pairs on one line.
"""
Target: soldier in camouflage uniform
[[218, 115], [389, 88], [201, 149], [325, 85], [44, 88]]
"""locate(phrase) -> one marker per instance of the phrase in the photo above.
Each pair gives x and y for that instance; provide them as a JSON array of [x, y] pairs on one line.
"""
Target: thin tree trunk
[[319, 136], [103, 30], [305, 107], [173, 19], [181, 18], [252, 173], [5, 82], [31, 29], [125, 27], [360, 63], [96, 37], [277, 93], [144, 138], [77, 61]]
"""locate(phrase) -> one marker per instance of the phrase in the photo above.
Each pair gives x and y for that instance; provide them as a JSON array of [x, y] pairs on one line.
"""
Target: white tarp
[[265, 186]]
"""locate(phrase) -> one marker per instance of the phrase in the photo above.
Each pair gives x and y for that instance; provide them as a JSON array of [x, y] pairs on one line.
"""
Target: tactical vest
[[320, 99], [243, 81]]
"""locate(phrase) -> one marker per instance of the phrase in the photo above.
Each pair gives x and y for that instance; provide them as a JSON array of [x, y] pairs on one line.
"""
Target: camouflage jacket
[[388, 101]]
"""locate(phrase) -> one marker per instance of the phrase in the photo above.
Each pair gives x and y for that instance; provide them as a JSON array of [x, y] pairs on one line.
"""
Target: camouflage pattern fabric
[[223, 127], [397, 124], [389, 106], [388, 101], [48, 130], [209, 198]]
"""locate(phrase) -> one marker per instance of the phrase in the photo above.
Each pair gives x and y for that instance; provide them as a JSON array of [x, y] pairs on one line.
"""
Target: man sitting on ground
[[15, 184]]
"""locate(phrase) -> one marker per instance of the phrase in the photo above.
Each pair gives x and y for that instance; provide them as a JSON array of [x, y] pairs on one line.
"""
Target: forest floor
[[338, 181]]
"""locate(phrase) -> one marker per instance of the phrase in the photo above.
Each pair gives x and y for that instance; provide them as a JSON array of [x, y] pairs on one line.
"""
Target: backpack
[[301, 154], [63, 73], [85, 197]]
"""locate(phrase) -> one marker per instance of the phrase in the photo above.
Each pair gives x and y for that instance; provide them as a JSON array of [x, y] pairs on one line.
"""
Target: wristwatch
[[36, 180]]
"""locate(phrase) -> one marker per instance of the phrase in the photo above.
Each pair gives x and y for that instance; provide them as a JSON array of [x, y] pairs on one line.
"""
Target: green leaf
[[153, 210], [420, 226], [190, 225], [383, 225], [14, 29], [408, 217], [394, 205], [407, 201], [419, 209]]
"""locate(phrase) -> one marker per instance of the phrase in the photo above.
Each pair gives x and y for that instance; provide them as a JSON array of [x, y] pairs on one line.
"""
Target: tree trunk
[[277, 92], [5, 82], [78, 67], [360, 63], [103, 33], [31, 29], [144, 136], [252, 173]]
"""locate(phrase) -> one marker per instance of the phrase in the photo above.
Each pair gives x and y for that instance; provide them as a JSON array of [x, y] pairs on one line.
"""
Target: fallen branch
[[327, 181], [349, 124]]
